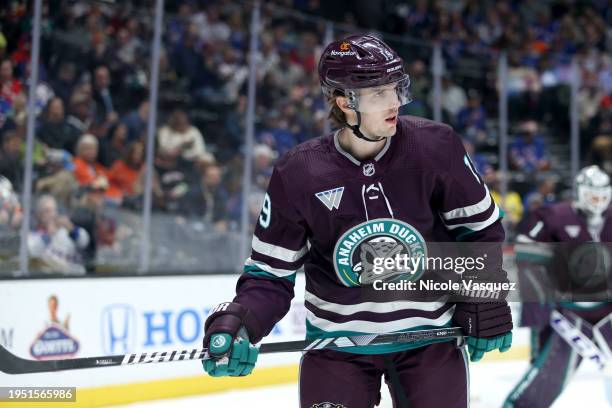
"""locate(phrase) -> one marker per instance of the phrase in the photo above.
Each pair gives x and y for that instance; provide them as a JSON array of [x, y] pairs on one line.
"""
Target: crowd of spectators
[[92, 107]]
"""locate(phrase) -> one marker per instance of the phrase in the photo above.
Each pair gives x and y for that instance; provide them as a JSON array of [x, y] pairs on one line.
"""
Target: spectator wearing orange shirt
[[125, 173], [87, 170]]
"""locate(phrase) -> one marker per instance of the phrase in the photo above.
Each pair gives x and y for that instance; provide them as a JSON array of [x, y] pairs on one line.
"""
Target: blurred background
[[527, 85], [137, 140]]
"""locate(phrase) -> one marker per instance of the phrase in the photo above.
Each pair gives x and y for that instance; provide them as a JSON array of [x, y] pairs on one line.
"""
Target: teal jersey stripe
[[258, 272], [577, 306], [313, 332], [536, 258]]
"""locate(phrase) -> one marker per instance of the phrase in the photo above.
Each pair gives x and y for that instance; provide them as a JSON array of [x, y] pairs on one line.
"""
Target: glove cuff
[[483, 320], [230, 317]]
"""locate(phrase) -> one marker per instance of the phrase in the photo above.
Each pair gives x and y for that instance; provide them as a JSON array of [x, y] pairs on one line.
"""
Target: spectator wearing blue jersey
[[528, 153]]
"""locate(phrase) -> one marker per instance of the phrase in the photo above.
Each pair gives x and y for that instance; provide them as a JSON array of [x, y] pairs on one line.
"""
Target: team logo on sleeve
[[360, 252]]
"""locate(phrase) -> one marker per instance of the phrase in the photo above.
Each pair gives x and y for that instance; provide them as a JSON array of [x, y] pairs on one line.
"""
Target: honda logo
[[118, 329]]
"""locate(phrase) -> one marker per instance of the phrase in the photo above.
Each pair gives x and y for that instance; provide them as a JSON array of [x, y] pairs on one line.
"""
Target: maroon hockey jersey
[[325, 210], [575, 254]]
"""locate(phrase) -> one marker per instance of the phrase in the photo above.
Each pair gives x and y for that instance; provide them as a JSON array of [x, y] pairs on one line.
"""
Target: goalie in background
[[563, 261]]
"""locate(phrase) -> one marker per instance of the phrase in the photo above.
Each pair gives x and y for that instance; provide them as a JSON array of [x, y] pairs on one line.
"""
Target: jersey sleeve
[[466, 206], [533, 235], [278, 250], [470, 214]]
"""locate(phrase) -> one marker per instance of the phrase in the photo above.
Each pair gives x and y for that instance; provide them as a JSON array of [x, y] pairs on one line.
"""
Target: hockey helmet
[[593, 191], [366, 71]]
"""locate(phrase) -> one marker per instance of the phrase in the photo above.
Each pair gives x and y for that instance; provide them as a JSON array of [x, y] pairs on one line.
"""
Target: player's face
[[379, 108], [382, 123]]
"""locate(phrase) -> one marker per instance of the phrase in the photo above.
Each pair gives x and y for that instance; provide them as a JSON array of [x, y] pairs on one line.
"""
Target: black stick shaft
[[11, 364]]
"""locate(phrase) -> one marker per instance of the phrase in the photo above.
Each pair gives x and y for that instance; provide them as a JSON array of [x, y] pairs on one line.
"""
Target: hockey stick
[[11, 364], [599, 353], [579, 341]]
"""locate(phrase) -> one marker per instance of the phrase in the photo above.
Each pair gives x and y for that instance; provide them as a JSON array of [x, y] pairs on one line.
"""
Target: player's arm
[[471, 215], [265, 289], [533, 256]]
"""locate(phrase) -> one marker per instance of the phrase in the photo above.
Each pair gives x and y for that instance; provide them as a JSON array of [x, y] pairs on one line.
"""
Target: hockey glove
[[488, 327], [227, 339]]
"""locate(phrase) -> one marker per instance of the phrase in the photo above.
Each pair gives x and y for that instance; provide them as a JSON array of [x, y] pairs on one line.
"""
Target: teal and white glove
[[229, 358], [477, 347]]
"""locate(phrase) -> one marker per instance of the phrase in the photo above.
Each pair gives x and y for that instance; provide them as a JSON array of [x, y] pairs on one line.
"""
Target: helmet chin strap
[[357, 131]]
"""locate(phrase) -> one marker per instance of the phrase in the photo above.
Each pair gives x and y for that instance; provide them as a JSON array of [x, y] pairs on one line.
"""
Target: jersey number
[[266, 212], [468, 163], [536, 229]]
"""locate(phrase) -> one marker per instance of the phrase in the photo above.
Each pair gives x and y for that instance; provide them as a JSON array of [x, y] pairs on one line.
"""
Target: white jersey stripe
[[365, 326], [374, 307], [267, 268], [471, 210], [278, 252], [479, 225]]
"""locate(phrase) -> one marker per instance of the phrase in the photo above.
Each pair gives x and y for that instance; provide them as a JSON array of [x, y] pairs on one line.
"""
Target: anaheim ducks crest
[[383, 238], [327, 405]]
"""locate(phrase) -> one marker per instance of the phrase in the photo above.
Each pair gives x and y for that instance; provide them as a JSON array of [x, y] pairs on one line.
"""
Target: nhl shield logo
[[572, 230], [383, 238], [368, 169]]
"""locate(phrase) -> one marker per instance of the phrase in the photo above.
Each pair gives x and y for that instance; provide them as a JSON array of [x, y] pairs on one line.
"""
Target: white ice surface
[[490, 384]]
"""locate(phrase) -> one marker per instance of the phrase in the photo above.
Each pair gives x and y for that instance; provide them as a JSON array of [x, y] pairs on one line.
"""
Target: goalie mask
[[593, 191]]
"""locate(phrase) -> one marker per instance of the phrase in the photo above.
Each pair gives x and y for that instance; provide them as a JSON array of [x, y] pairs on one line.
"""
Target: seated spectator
[[276, 133], [56, 242], [174, 180], [113, 145], [88, 212], [11, 212], [179, 138], [87, 170], [56, 177], [136, 122], [215, 196], [105, 109], [544, 194], [63, 84], [478, 160], [11, 163], [263, 162], [10, 86], [453, 98], [54, 130], [601, 149], [125, 175], [208, 200], [528, 153], [471, 120], [80, 115]]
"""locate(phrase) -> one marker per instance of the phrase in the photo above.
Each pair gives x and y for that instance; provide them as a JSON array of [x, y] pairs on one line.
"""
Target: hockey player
[[401, 173], [570, 225]]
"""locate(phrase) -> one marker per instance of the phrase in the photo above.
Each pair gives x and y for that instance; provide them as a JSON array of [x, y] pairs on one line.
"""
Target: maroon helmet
[[363, 61]]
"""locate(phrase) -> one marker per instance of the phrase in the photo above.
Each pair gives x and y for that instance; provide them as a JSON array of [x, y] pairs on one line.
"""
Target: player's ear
[[342, 103]]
